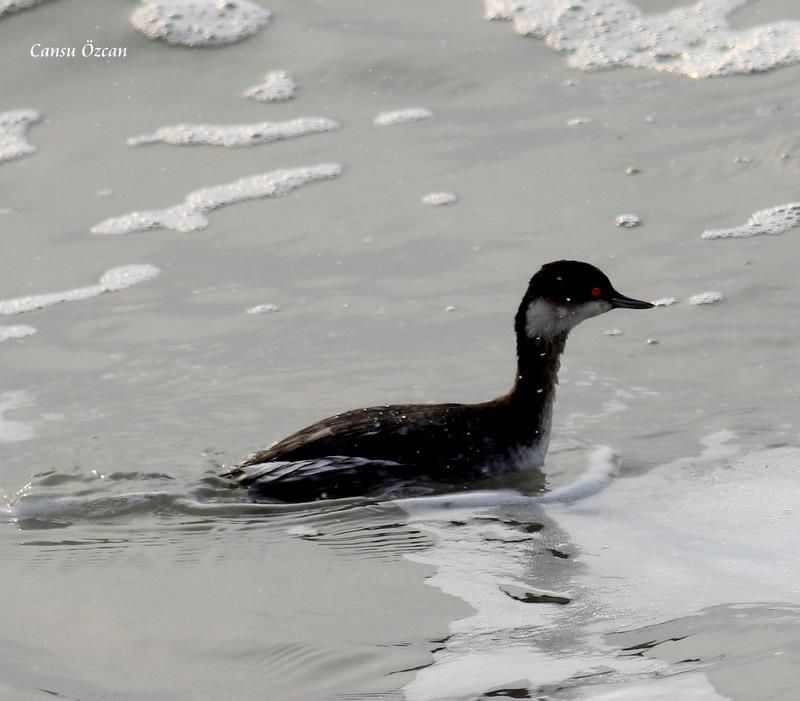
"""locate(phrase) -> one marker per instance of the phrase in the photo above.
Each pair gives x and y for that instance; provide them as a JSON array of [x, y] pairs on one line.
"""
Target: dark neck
[[538, 360]]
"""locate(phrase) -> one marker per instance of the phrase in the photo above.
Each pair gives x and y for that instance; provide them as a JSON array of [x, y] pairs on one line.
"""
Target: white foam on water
[[13, 431], [604, 466], [709, 297], [578, 121], [13, 130], [303, 531], [278, 86], [20, 331], [443, 506], [235, 134], [692, 686], [263, 309], [439, 199], [191, 214], [698, 532], [199, 22], [111, 281], [471, 674], [717, 528], [693, 40], [404, 116], [8, 6], [665, 301], [486, 650], [771, 221], [627, 221], [127, 276]]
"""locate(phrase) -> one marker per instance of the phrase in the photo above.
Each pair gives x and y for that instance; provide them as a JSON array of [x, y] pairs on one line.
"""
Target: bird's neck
[[538, 361], [540, 343]]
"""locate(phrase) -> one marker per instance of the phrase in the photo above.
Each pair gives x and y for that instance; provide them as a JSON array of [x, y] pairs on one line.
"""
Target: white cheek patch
[[543, 318], [547, 319]]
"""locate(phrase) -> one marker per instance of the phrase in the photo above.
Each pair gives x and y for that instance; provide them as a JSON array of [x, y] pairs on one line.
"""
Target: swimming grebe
[[365, 451]]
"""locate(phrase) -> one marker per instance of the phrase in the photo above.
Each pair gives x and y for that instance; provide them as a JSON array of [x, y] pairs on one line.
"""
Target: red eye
[[596, 292]]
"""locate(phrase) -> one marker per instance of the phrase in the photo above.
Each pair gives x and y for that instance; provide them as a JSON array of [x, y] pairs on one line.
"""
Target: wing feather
[[327, 477]]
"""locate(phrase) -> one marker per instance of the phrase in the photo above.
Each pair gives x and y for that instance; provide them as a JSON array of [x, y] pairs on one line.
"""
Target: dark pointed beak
[[624, 302]]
